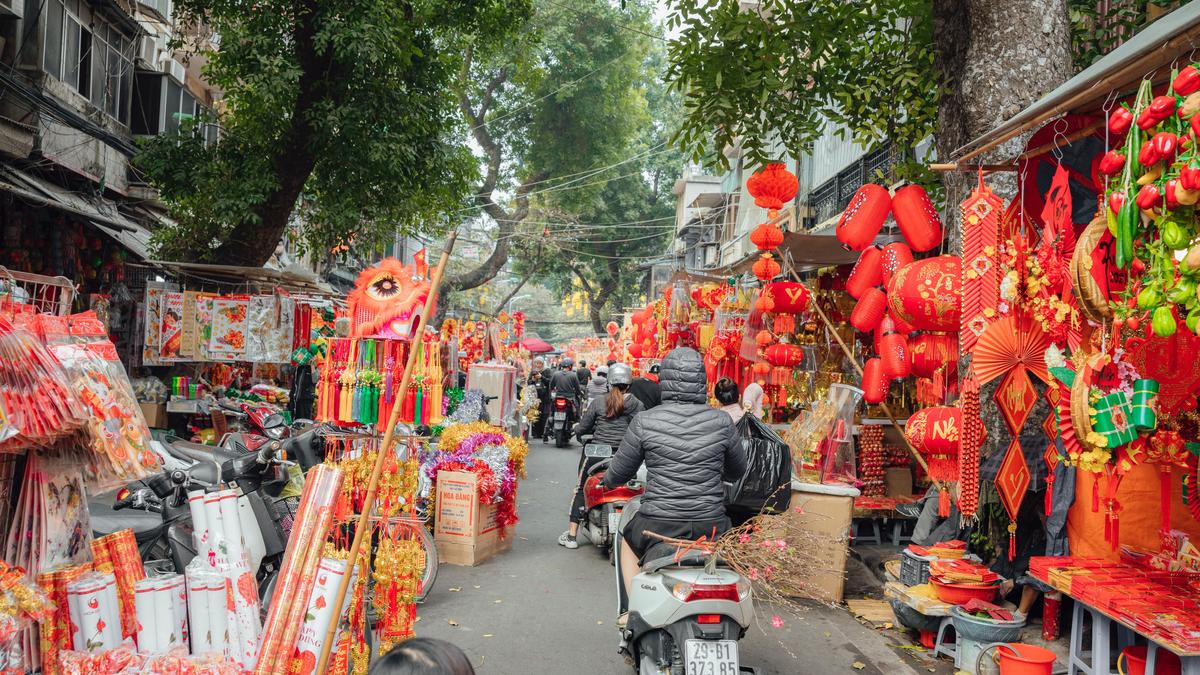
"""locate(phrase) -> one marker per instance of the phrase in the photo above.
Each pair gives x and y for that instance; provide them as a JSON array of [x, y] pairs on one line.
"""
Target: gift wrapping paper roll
[[199, 523], [176, 591], [118, 553], [225, 639], [111, 604], [241, 580], [148, 641], [55, 633], [256, 548], [197, 578], [320, 611], [91, 613], [217, 552], [311, 527]]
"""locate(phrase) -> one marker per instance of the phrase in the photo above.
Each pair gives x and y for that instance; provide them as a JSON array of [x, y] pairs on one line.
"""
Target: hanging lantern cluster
[[767, 236], [772, 188], [765, 268]]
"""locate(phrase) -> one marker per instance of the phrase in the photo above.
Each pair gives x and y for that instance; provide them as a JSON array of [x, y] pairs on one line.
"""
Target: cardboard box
[[898, 482], [465, 531], [828, 515], [155, 414]]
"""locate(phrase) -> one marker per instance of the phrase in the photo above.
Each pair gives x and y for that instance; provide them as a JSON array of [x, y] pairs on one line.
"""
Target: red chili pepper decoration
[[1162, 107], [1111, 163], [1169, 190], [1146, 120], [1189, 176], [1164, 144], [1119, 121], [1147, 154], [1148, 197], [1115, 201], [1187, 81]]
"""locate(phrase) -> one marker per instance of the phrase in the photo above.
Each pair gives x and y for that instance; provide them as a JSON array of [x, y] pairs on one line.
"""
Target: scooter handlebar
[[143, 499]]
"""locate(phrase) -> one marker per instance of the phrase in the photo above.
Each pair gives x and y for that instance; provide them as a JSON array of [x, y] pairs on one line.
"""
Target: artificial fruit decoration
[[1187, 81], [1111, 163], [1165, 144], [1183, 195], [1120, 121], [1149, 197], [1162, 107], [1147, 155], [1162, 322], [1115, 201]]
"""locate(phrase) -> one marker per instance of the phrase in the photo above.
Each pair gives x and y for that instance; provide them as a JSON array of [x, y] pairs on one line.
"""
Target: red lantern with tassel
[[766, 236], [611, 327], [761, 368], [764, 338], [765, 268], [927, 294], [867, 272], [931, 352], [897, 361], [765, 303], [918, 220], [772, 187], [788, 356], [863, 217], [869, 311], [935, 432], [784, 324], [898, 325], [635, 350], [895, 255], [790, 297], [874, 382]]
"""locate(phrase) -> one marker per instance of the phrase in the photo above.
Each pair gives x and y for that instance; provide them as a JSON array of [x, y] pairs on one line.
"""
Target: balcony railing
[[832, 196]]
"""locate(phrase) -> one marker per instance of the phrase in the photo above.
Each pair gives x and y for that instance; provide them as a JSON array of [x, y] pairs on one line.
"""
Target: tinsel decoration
[[469, 409], [981, 275], [973, 433], [454, 397]]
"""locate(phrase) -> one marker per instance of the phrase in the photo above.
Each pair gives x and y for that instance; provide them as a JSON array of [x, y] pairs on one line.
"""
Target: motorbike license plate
[[710, 657], [560, 415], [614, 521]]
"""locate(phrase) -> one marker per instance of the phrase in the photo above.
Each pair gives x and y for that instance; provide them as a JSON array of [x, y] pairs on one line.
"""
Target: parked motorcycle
[[687, 610], [604, 505], [563, 416]]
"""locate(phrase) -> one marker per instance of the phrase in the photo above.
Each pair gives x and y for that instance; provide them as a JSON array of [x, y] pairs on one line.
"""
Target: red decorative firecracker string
[[973, 433], [871, 460]]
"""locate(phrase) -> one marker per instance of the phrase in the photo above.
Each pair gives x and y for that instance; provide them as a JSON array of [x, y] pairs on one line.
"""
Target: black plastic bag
[[767, 484]]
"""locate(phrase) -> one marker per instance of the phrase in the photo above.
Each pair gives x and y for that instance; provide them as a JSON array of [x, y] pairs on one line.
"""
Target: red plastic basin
[[958, 594]]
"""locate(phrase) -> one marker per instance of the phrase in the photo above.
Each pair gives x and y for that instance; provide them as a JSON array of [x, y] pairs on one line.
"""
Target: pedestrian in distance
[[646, 389], [423, 656]]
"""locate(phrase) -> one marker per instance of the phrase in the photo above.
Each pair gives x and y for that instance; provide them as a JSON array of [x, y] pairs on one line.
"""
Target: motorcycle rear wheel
[[561, 438]]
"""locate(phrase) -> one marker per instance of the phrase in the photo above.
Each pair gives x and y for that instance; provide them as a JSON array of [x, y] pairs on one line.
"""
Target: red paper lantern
[[936, 433], [869, 311], [867, 272], [894, 353], [927, 294], [773, 186], [863, 217], [612, 356], [765, 268], [764, 338], [635, 350], [766, 236], [765, 303], [761, 368], [895, 255], [931, 351], [898, 325], [874, 382], [788, 356], [790, 297], [785, 323], [612, 328], [918, 220]]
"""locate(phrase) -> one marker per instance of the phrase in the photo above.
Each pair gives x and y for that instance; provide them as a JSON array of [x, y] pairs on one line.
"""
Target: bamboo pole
[[389, 433]]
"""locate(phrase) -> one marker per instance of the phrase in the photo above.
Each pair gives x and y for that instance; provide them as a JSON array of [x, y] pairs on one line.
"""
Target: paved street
[[543, 609]]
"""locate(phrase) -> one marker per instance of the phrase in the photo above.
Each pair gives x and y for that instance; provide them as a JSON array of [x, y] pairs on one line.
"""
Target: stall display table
[[1124, 601]]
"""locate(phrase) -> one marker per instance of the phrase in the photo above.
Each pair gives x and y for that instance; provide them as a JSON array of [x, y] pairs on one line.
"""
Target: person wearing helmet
[[606, 419]]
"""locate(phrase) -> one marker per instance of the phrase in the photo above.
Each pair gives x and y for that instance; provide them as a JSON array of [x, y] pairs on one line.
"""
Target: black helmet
[[566, 362]]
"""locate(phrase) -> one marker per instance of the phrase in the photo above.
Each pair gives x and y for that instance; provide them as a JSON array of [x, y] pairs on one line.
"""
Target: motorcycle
[[604, 505], [564, 418], [687, 610]]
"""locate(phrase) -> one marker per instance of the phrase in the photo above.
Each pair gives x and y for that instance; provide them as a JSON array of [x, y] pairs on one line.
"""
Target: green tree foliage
[[555, 116], [1098, 27], [785, 69], [338, 109]]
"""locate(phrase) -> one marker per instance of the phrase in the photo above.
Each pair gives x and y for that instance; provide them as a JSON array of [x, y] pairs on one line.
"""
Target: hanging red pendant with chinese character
[[1012, 481]]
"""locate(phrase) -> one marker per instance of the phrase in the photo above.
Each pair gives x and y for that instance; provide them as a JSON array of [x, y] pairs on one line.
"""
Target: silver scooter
[[686, 611]]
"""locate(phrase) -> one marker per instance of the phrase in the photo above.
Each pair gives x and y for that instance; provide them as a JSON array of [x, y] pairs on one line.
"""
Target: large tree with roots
[[336, 112]]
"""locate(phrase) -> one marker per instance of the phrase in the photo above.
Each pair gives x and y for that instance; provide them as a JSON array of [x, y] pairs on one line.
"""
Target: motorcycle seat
[[146, 526], [199, 452]]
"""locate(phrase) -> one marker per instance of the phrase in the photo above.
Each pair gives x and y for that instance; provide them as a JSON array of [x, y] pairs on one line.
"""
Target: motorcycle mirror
[[597, 450], [274, 420]]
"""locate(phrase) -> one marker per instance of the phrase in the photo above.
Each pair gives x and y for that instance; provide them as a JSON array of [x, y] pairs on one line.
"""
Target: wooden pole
[[360, 528]]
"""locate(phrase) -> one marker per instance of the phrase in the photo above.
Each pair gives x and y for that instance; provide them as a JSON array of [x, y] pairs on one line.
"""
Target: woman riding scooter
[[606, 419], [689, 449]]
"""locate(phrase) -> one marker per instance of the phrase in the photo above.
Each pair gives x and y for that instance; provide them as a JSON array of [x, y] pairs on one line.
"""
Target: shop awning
[[135, 240], [293, 278], [1147, 54], [807, 251], [36, 189]]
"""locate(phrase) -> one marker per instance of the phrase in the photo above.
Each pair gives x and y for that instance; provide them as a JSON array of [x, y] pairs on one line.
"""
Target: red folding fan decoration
[[1016, 397], [1007, 344], [1011, 483], [981, 274]]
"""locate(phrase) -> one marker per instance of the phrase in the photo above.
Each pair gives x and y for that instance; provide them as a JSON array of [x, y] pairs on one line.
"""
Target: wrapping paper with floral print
[[203, 322], [281, 336], [152, 322], [260, 331], [171, 339], [115, 434], [229, 326]]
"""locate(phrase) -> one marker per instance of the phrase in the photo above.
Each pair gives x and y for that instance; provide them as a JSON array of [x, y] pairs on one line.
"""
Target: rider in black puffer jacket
[[689, 448]]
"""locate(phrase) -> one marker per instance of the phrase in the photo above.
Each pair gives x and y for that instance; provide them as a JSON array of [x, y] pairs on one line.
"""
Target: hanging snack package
[[116, 434]]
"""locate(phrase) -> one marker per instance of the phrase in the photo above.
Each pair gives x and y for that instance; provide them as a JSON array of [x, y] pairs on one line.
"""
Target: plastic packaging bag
[[766, 485]]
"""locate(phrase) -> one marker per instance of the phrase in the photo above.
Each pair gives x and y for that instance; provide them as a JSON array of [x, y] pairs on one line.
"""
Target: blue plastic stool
[[946, 645], [1096, 661]]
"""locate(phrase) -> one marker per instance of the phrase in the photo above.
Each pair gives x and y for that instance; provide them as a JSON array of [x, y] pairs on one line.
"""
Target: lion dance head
[[387, 301]]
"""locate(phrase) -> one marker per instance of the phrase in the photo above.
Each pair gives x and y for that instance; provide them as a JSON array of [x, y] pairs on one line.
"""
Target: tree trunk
[[252, 242], [995, 58]]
